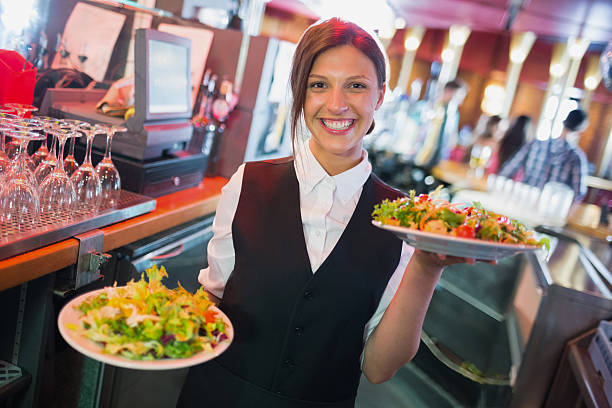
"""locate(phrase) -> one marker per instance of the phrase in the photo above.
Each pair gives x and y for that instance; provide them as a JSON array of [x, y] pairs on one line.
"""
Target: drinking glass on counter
[[28, 125], [50, 161], [479, 157], [57, 193], [43, 150], [70, 163], [21, 109], [5, 161], [106, 170], [85, 179], [19, 200]]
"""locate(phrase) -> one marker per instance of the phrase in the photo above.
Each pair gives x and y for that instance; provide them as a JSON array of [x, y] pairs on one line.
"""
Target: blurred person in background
[[441, 126], [514, 138], [555, 159]]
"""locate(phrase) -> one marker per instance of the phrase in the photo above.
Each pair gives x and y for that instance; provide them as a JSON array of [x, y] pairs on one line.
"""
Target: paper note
[[88, 40], [201, 40]]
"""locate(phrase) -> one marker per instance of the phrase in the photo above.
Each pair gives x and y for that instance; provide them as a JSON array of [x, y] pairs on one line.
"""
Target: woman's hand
[[434, 261]]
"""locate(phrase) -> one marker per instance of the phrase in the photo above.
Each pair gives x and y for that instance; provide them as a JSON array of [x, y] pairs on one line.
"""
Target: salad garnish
[[145, 320], [427, 213]]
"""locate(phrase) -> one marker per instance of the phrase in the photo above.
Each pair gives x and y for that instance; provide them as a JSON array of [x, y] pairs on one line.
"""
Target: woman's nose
[[336, 102]]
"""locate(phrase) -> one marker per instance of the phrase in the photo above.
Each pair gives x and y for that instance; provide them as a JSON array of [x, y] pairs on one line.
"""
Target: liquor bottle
[[201, 98]]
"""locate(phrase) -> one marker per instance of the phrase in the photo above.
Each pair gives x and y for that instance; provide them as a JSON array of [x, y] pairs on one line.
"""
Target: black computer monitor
[[162, 80]]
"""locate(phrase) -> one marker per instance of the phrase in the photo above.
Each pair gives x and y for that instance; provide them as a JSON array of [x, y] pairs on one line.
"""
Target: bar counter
[[171, 210]]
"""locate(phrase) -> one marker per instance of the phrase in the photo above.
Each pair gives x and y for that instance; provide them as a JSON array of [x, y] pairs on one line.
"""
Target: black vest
[[299, 335]]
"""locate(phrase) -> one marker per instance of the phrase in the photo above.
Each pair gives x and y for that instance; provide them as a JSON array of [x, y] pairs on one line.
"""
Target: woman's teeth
[[338, 124]]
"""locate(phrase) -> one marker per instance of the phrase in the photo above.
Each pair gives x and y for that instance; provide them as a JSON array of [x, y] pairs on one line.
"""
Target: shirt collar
[[310, 173]]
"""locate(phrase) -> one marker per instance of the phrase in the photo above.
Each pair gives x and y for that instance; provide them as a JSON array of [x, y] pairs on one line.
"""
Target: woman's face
[[341, 98]]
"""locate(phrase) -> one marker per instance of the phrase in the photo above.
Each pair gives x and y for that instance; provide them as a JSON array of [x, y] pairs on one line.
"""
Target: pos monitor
[[162, 79]]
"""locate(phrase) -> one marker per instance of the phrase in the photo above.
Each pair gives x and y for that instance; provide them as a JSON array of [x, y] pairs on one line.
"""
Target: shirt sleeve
[[579, 171], [513, 165], [390, 290], [221, 255]]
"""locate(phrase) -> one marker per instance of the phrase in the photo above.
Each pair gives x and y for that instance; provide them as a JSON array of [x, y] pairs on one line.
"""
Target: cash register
[[152, 156]]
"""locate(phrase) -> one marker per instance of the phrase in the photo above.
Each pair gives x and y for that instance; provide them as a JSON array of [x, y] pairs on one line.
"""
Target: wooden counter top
[[459, 176], [171, 210]]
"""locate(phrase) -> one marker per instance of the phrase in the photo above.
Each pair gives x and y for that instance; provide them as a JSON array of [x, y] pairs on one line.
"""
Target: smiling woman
[[309, 298]]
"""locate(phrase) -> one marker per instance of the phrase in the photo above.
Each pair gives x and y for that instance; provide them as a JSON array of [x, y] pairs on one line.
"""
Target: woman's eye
[[357, 85], [317, 85]]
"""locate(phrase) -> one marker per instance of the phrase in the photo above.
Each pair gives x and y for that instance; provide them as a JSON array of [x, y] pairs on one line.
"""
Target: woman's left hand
[[432, 259]]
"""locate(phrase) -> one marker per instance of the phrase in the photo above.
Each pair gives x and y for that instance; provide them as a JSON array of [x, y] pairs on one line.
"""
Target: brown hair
[[320, 37]]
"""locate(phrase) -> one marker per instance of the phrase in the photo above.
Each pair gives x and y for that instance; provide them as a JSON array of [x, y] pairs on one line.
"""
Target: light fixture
[[458, 35], [557, 70], [591, 83], [399, 23], [577, 47], [448, 55], [517, 56], [412, 43]]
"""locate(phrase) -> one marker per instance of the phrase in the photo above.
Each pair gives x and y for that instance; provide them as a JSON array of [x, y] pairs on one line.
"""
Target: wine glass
[[5, 161], [50, 161], [31, 125], [479, 157], [22, 109], [106, 170], [57, 193], [8, 115], [70, 163], [85, 179], [19, 201], [43, 150]]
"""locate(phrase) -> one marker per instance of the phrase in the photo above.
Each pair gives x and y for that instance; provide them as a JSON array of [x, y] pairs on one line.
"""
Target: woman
[[303, 275], [513, 140]]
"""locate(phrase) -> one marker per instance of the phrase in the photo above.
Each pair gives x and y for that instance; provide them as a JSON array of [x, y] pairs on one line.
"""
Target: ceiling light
[[412, 43], [590, 83], [517, 56], [557, 70], [458, 35], [399, 23], [448, 55]]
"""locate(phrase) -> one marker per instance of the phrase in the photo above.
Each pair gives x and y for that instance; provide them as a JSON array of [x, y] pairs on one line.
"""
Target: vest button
[[308, 295], [289, 363], [299, 330]]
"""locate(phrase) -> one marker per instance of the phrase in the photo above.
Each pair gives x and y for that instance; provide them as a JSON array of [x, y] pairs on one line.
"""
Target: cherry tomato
[[423, 198], [210, 316], [465, 231]]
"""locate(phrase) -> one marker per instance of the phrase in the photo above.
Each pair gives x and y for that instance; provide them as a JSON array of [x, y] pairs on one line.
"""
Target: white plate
[[463, 247], [91, 349]]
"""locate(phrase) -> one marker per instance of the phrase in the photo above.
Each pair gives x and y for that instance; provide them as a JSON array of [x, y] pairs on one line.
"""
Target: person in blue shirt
[[554, 159]]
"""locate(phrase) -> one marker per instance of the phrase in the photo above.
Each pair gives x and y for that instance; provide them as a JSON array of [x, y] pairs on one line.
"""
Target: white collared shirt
[[326, 203]]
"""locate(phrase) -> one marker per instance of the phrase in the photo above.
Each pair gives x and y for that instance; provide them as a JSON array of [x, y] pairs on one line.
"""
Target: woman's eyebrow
[[351, 78]]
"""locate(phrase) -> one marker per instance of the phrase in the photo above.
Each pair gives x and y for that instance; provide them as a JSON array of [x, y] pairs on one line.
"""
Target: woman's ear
[[381, 96]]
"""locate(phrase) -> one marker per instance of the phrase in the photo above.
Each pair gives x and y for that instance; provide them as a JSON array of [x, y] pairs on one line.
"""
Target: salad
[[144, 320], [426, 213]]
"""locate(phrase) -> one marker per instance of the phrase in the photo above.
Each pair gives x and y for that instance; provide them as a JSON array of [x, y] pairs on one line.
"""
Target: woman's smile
[[338, 126]]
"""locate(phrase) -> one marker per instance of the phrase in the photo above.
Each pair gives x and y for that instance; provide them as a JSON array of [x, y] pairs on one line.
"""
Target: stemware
[[85, 179], [70, 163], [106, 170], [43, 150], [5, 161], [50, 161], [11, 147], [30, 125], [22, 109], [57, 193], [19, 200]]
